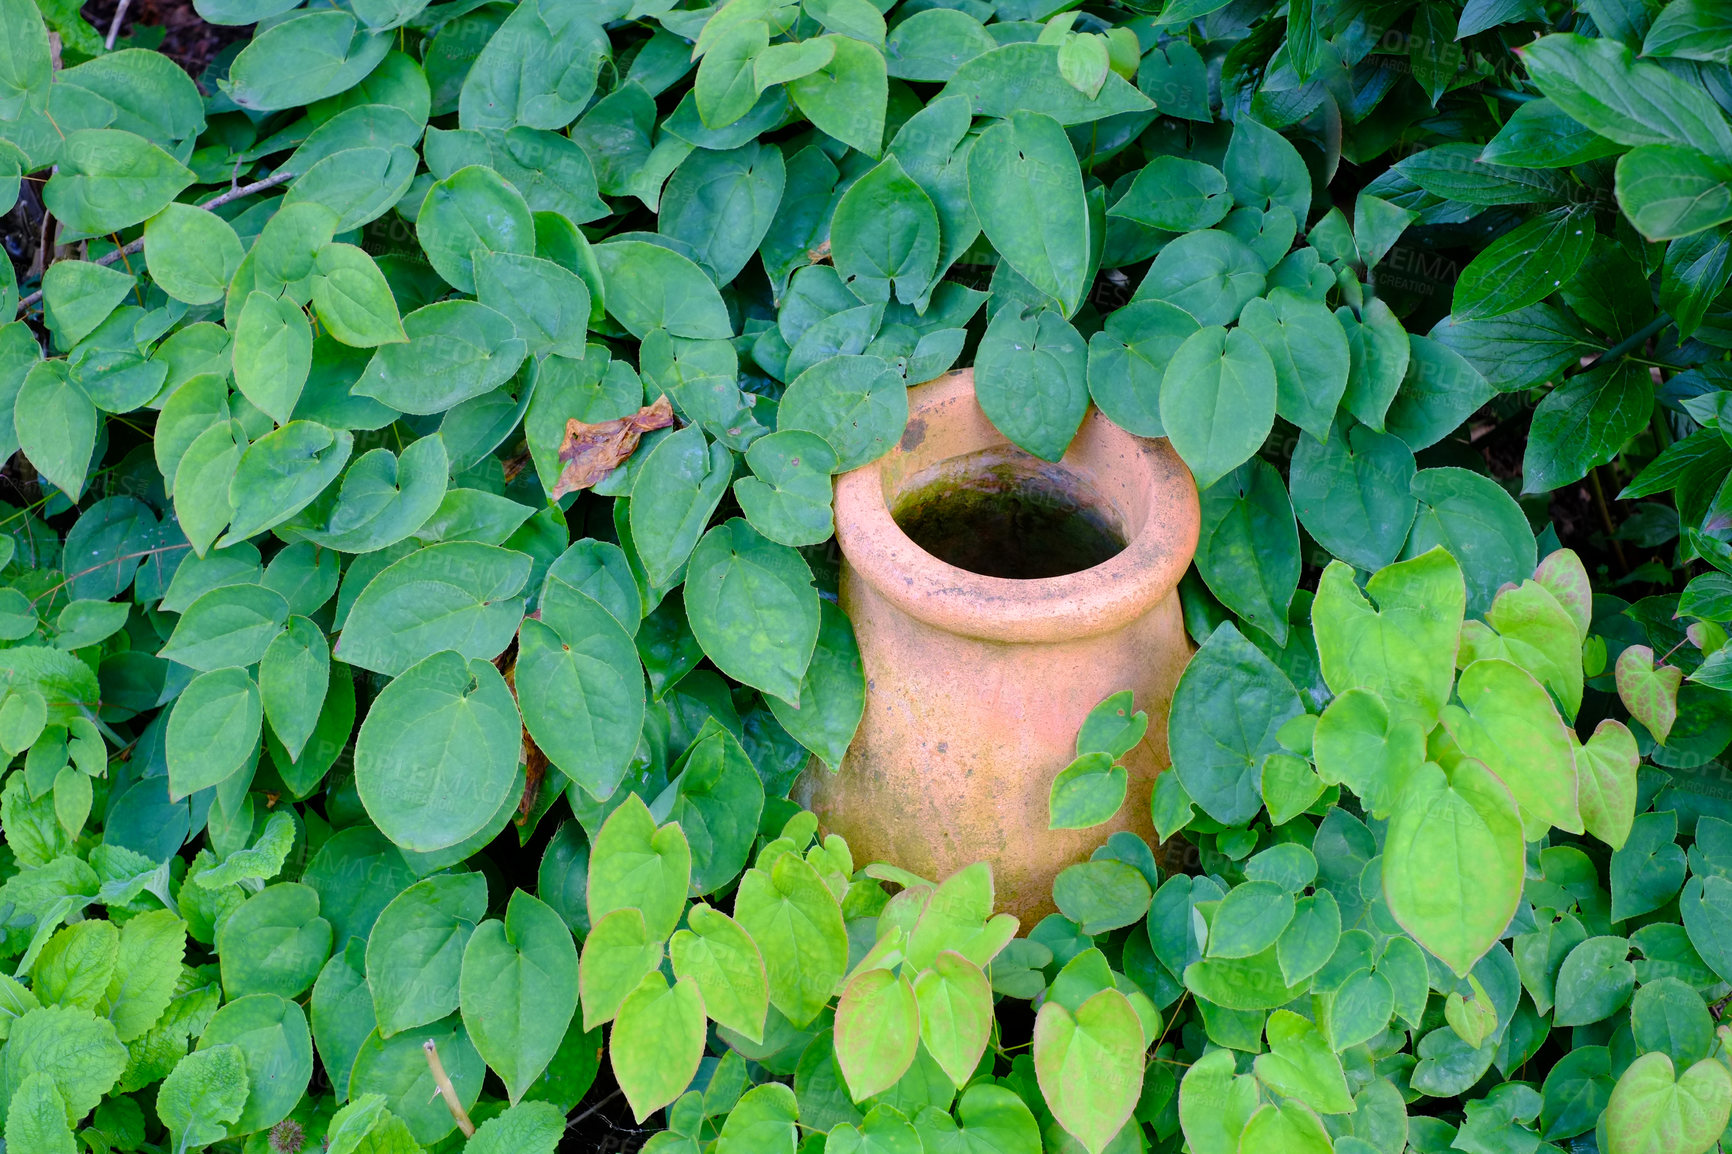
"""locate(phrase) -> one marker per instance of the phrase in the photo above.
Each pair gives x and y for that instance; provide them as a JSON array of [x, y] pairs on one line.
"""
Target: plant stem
[[446, 1090], [138, 245], [1635, 340]]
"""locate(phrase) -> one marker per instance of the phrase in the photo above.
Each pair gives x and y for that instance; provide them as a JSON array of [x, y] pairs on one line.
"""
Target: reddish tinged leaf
[[1649, 693], [591, 452]]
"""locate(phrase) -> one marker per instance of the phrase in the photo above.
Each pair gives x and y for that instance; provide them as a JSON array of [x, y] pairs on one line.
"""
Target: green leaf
[[1087, 792], [548, 303], [1594, 982], [1031, 379], [877, 1031], [518, 990], [1023, 77], [788, 497], [651, 287], [525, 1128], [1215, 1103], [858, 404], [884, 236], [78, 295], [1668, 1015], [1301, 1065], [1248, 547], [723, 961], [797, 923], [75, 966], [1380, 352], [25, 68], [1693, 30], [457, 350], [1026, 188], [414, 959], [1670, 190], [1634, 102], [437, 754], [1264, 171], [716, 797], [1090, 1065], [1218, 401], [1403, 649], [271, 1033], [397, 1068], [230, 625], [1210, 274], [538, 70], [1358, 743], [1525, 265], [1452, 861], [194, 253], [458, 595], [353, 300], [681, 482], [293, 675], [832, 697], [1458, 172], [205, 1092], [1310, 353], [1507, 722], [762, 1121], [722, 204], [274, 943], [1650, 1111], [658, 1040], [304, 58], [1249, 920], [1585, 422], [1291, 1127], [1127, 359], [726, 87], [76, 1052], [635, 863], [1353, 494], [846, 99], [617, 954], [56, 426], [263, 859], [1575, 1093], [1540, 134], [281, 473], [752, 608], [108, 180], [581, 690], [1606, 782], [1175, 195], [213, 730], [1229, 703]]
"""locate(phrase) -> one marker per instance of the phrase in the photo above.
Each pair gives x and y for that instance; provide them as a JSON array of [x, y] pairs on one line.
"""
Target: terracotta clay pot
[[976, 684]]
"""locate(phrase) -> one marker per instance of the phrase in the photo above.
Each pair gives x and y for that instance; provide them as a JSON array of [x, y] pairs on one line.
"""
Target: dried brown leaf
[[591, 452]]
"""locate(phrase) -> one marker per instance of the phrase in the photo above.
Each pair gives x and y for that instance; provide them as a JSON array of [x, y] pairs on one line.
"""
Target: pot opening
[[1000, 515]]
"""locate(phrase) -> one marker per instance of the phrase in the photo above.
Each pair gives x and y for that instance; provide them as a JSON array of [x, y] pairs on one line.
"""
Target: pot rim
[[1041, 610]]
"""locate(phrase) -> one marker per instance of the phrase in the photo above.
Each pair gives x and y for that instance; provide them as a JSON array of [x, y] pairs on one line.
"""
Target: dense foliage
[[418, 599]]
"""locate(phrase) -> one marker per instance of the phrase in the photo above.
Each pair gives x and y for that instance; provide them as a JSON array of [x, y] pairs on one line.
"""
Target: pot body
[[976, 685]]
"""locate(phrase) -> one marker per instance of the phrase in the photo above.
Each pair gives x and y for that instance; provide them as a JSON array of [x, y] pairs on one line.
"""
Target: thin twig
[[446, 1089], [114, 26], [1606, 517], [138, 245]]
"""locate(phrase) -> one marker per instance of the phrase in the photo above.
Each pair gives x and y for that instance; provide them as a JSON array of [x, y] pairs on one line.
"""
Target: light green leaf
[[1452, 861]]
